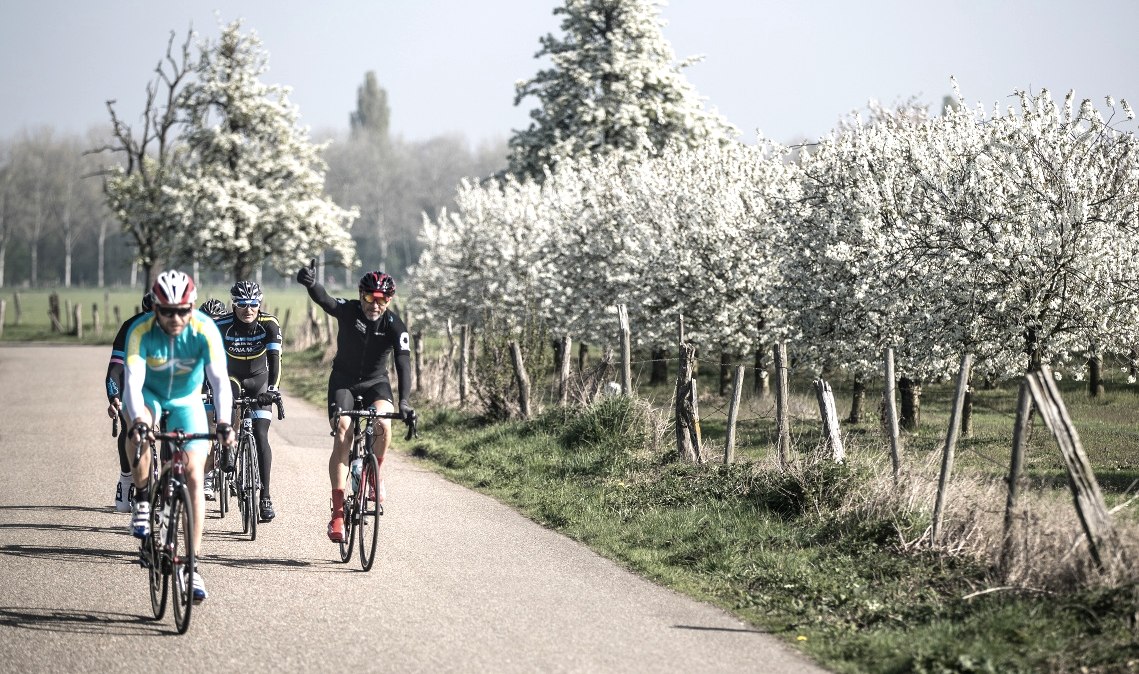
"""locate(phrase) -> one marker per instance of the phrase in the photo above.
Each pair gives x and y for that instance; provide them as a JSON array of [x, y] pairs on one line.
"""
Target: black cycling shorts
[[343, 389]]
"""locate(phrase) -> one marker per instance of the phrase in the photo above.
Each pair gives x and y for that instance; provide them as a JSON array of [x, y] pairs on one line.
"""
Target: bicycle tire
[[369, 508], [254, 483], [243, 481], [222, 490], [180, 533], [155, 548], [349, 529]]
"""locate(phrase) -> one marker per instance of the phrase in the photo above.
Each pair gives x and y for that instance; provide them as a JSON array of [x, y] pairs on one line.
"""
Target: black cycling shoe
[[266, 510]]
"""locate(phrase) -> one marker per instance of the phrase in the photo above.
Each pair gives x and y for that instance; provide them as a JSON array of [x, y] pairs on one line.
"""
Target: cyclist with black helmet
[[124, 490], [253, 350], [168, 352], [368, 332]]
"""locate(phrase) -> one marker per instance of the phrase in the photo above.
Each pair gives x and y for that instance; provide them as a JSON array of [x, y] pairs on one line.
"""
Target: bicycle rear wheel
[[369, 508], [154, 547], [181, 545], [349, 528]]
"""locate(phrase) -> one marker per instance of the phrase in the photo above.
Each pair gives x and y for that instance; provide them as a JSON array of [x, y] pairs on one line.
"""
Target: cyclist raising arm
[[123, 495], [368, 332], [167, 355], [253, 348]]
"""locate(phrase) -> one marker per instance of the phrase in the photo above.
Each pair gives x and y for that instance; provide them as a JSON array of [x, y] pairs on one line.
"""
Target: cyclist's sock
[[264, 451], [338, 502]]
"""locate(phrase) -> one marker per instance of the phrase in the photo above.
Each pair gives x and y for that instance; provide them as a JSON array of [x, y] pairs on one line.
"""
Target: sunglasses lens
[[170, 312], [248, 303]]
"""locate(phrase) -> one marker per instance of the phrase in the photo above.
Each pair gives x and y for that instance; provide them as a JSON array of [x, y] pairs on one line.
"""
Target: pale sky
[[788, 68]]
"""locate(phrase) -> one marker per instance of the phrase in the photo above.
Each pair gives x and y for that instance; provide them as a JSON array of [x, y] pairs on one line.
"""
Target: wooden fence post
[[1090, 506], [3, 311], [19, 309], [1019, 439], [626, 351], [687, 407], [96, 319], [77, 314], [829, 414], [564, 375], [782, 403], [118, 315], [891, 405], [950, 444], [733, 415], [522, 378]]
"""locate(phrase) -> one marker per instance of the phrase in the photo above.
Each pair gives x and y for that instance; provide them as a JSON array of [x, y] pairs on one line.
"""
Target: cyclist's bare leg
[[140, 470], [341, 447], [195, 469], [384, 441]]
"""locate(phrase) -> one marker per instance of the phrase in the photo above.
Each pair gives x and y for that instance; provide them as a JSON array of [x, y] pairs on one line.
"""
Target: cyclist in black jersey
[[368, 332], [253, 350], [124, 490]]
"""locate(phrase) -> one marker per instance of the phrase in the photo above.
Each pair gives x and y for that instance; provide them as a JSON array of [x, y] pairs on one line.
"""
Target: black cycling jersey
[[252, 349], [114, 381], [362, 346]]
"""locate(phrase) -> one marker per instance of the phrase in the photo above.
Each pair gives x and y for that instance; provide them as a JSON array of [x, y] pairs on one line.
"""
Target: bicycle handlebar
[[250, 402], [412, 420]]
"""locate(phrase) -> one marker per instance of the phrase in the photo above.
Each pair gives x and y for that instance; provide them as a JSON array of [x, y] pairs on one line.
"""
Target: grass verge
[[805, 554]]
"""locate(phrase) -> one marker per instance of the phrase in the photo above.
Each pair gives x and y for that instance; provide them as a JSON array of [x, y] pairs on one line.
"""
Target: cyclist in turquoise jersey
[[168, 354]]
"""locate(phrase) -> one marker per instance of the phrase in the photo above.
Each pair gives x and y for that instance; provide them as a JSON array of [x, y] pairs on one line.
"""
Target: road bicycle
[[245, 480], [169, 549], [362, 507]]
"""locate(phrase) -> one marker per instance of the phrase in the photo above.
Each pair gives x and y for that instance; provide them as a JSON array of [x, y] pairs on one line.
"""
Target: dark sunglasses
[[247, 303], [170, 312]]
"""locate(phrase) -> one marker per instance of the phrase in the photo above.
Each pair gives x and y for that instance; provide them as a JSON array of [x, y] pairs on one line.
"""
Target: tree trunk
[[857, 400], [967, 413], [1095, 376], [100, 271], [910, 392], [725, 371], [762, 384], [659, 371]]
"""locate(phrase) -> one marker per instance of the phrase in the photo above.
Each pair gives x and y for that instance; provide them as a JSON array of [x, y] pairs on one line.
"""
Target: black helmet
[[148, 301], [245, 290], [214, 308], [377, 282]]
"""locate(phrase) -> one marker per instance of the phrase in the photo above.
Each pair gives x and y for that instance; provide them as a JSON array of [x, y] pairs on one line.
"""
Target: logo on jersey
[[404, 342], [360, 327], [176, 365]]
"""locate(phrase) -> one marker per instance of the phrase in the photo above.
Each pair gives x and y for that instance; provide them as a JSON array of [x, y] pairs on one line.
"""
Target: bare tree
[[134, 188]]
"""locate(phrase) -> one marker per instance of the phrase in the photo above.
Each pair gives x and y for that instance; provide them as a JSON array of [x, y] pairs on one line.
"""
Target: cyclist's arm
[[114, 382], [134, 375], [402, 360], [323, 299], [273, 350], [217, 373]]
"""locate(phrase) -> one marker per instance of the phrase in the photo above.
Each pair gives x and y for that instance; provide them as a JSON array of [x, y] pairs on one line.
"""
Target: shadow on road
[[78, 622], [64, 508], [66, 554], [279, 564]]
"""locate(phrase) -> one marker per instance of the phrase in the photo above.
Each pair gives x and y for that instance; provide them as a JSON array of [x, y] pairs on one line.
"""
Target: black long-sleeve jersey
[[252, 348], [362, 346], [114, 381]]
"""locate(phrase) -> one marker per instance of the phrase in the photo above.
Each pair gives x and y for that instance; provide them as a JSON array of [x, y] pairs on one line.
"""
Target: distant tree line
[[59, 227]]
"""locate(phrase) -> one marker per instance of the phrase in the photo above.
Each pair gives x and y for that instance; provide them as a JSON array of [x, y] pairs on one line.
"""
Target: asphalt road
[[461, 583]]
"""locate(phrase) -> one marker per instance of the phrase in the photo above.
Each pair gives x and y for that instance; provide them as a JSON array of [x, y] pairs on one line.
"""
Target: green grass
[[35, 324], [776, 548]]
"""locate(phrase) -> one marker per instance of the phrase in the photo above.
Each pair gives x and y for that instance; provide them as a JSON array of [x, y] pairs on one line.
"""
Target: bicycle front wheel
[[222, 482], [369, 508], [253, 484], [154, 547], [181, 547]]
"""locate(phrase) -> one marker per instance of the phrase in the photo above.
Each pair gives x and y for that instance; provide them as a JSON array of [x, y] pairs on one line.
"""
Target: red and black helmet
[[174, 287], [377, 282]]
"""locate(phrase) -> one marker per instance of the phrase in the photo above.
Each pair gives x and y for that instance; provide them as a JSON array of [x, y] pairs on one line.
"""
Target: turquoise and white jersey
[[171, 369]]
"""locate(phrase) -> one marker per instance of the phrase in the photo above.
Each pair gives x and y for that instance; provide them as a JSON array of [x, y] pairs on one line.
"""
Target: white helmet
[[174, 287]]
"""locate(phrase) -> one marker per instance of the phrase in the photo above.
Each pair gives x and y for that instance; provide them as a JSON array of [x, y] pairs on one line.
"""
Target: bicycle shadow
[[75, 621], [70, 554], [64, 508]]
